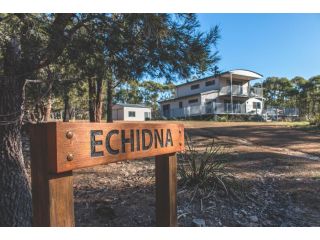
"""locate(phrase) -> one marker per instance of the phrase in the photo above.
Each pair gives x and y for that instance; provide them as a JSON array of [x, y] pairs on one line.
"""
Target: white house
[[131, 112], [227, 93]]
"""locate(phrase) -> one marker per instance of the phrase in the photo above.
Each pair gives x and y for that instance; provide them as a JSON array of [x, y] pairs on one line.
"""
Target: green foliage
[[297, 92], [145, 92], [204, 167], [222, 118], [315, 120], [277, 91]]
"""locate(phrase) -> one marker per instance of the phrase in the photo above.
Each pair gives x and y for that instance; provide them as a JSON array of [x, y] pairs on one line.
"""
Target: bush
[[256, 118], [204, 168], [222, 118], [315, 120]]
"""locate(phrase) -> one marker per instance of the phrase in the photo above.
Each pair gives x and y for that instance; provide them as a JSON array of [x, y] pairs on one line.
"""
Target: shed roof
[[131, 105]]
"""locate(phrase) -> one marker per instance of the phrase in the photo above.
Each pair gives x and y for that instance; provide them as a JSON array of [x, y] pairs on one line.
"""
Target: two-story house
[[226, 93]]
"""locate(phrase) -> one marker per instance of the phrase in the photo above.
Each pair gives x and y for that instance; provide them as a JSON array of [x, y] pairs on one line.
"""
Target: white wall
[[208, 97], [185, 90], [139, 113], [250, 108], [185, 102]]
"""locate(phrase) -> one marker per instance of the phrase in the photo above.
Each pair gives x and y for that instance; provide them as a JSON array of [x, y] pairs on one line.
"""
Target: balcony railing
[[228, 108], [213, 108], [241, 91]]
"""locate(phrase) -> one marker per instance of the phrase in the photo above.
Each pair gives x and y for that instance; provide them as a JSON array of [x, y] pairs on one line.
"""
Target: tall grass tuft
[[204, 167]]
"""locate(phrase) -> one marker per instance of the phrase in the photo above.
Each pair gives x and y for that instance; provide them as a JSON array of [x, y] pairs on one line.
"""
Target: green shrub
[[222, 118], [315, 120]]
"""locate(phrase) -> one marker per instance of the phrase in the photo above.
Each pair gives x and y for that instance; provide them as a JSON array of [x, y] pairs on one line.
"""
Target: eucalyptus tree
[[28, 42], [87, 52], [300, 95], [277, 91], [129, 92], [313, 89], [146, 92], [152, 91]]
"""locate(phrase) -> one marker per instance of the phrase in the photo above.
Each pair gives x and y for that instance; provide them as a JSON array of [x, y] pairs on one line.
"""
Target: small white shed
[[254, 106], [131, 112]]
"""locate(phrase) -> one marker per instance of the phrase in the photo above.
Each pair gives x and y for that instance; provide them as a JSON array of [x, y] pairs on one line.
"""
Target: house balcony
[[241, 91]]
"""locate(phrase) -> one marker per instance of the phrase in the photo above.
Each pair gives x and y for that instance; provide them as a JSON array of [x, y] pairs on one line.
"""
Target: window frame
[[256, 105], [212, 82], [195, 86], [193, 100], [134, 113]]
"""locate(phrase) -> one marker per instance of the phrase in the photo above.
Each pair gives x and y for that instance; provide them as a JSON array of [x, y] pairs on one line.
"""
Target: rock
[[198, 222], [244, 211], [254, 219]]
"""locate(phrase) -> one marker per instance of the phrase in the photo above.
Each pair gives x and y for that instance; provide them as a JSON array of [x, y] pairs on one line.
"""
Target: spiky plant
[[204, 167]]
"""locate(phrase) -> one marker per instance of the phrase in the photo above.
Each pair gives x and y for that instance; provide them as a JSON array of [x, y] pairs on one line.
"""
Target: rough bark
[[15, 194], [92, 106], [98, 112], [66, 113], [47, 109], [95, 99], [109, 100]]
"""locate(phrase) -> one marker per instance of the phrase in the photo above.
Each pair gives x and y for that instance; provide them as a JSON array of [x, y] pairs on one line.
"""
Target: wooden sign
[[57, 148], [79, 145]]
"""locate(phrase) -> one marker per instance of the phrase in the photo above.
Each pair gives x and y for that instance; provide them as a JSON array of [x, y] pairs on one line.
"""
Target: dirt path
[[281, 164]]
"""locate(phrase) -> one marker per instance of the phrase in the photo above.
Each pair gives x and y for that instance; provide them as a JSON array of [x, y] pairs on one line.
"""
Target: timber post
[[52, 193], [166, 190]]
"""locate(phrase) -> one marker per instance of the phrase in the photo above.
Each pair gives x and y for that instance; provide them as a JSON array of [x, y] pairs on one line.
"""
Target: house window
[[257, 105], [195, 86], [180, 105], [210, 83], [195, 100], [132, 114]]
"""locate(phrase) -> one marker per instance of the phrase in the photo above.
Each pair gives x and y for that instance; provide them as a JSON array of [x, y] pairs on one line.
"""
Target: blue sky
[[284, 45]]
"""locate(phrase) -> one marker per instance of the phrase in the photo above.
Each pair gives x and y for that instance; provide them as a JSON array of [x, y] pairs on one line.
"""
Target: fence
[[278, 111]]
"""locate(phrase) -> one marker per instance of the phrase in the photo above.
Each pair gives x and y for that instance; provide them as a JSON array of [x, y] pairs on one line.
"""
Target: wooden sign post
[[57, 148]]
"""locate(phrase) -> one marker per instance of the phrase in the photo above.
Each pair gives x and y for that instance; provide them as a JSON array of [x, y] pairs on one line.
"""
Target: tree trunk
[[95, 99], [92, 94], [109, 100], [98, 113], [15, 194], [66, 114], [47, 109]]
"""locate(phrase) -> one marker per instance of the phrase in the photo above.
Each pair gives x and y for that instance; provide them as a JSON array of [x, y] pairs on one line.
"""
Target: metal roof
[[248, 74], [131, 105], [240, 72]]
